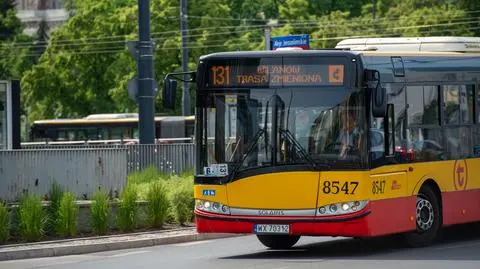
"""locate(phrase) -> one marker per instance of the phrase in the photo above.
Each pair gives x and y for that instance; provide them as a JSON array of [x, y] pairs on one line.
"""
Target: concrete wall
[[81, 171], [84, 170]]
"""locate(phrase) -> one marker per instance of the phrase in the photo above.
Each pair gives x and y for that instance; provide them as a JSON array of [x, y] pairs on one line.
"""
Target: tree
[[7, 5], [82, 67], [415, 20], [10, 24], [42, 32], [86, 66], [320, 8], [13, 61]]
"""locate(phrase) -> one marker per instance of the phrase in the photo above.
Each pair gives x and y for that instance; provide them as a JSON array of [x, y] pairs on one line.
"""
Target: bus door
[[389, 177]]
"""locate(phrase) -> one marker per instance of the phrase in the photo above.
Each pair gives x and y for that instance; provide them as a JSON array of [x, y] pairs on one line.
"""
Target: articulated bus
[[117, 128], [374, 137]]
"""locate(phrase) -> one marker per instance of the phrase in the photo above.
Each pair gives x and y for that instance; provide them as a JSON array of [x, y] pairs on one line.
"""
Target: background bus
[[109, 128]]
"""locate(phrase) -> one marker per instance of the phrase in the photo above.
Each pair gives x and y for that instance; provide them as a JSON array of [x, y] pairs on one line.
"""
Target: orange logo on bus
[[335, 73], [460, 175]]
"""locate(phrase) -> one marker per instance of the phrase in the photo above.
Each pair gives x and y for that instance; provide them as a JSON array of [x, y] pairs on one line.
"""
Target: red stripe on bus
[[461, 206], [386, 217]]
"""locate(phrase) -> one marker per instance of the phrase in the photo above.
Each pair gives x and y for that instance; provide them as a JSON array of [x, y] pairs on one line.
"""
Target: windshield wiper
[[253, 144], [289, 136]]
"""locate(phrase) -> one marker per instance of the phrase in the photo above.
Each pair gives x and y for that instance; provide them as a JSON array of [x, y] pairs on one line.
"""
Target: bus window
[[456, 108], [415, 105], [115, 133], [430, 105], [458, 142], [425, 138]]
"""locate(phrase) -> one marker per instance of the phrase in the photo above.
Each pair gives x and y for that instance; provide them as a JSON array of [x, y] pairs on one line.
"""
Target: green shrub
[[147, 175], [181, 197], [67, 215], [54, 196], [100, 212], [4, 223], [31, 217], [158, 204], [183, 204], [127, 211]]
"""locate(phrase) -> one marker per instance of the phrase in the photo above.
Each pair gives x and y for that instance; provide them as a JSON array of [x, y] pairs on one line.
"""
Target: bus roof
[[277, 53], [107, 118], [411, 44]]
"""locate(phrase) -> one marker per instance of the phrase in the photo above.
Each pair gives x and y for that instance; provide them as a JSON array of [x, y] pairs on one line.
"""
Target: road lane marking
[[57, 263], [192, 243], [129, 253]]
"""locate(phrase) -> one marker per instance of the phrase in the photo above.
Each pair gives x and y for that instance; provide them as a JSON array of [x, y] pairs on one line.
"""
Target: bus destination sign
[[271, 75]]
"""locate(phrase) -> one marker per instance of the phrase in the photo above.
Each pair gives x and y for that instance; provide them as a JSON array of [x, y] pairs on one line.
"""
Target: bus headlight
[[212, 207], [341, 208]]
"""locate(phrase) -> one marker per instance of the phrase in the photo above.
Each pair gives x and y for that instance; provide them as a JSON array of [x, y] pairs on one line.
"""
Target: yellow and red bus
[[340, 142]]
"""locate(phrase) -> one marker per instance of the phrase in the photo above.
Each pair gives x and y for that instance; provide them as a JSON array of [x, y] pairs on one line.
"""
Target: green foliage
[[10, 24], [32, 217], [143, 180], [86, 66], [100, 212], [147, 175], [431, 21], [4, 223], [14, 60], [127, 211], [169, 197], [182, 199], [67, 215], [55, 195], [158, 204]]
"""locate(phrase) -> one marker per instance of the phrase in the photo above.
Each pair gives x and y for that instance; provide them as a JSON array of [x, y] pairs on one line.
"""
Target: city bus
[[365, 139], [116, 128]]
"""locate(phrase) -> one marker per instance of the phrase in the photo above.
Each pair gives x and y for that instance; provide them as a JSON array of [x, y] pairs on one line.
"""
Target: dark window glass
[[415, 105], [396, 96], [459, 142], [478, 103], [458, 106], [430, 105], [476, 140], [426, 144], [451, 104]]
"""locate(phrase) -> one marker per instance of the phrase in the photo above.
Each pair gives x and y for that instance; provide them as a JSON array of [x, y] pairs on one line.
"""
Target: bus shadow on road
[[457, 243]]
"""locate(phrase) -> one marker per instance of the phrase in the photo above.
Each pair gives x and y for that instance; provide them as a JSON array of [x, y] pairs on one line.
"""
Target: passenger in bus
[[349, 137]]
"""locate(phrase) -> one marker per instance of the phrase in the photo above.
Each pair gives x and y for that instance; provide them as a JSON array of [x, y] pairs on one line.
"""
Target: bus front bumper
[[377, 219]]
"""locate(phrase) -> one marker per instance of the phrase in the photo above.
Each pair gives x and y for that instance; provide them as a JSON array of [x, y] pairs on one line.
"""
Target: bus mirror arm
[[170, 87], [379, 95]]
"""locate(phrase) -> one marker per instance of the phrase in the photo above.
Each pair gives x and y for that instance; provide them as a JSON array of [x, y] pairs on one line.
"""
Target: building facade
[[32, 12]]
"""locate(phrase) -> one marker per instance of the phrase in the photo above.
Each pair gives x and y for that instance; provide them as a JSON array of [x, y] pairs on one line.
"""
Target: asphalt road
[[458, 249]]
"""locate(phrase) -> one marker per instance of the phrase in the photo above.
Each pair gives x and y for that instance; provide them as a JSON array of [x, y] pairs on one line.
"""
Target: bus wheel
[[278, 241], [428, 219]]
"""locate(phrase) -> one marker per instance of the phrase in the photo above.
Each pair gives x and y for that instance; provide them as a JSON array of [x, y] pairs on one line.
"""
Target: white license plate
[[271, 229]]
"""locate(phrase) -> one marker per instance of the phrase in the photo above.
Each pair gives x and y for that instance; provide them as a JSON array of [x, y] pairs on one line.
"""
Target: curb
[[59, 241], [107, 246]]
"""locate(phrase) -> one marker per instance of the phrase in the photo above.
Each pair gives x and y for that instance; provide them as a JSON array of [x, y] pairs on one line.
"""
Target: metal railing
[[84, 169], [100, 143]]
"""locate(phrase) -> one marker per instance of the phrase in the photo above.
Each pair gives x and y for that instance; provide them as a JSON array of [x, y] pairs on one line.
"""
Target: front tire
[[278, 241], [428, 219]]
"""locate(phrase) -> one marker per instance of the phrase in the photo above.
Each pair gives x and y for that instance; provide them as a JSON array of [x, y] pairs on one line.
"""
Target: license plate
[[271, 229]]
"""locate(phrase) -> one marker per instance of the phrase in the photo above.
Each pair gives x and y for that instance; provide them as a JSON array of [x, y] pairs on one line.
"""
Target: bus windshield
[[258, 127]]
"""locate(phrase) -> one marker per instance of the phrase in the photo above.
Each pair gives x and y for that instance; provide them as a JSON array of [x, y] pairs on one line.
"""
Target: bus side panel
[[461, 202], [391, 216], [393, 209], [460, 186]]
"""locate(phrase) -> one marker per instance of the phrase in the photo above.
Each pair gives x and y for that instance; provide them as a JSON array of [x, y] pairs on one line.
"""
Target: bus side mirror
[[379, 94], [169, 93]]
